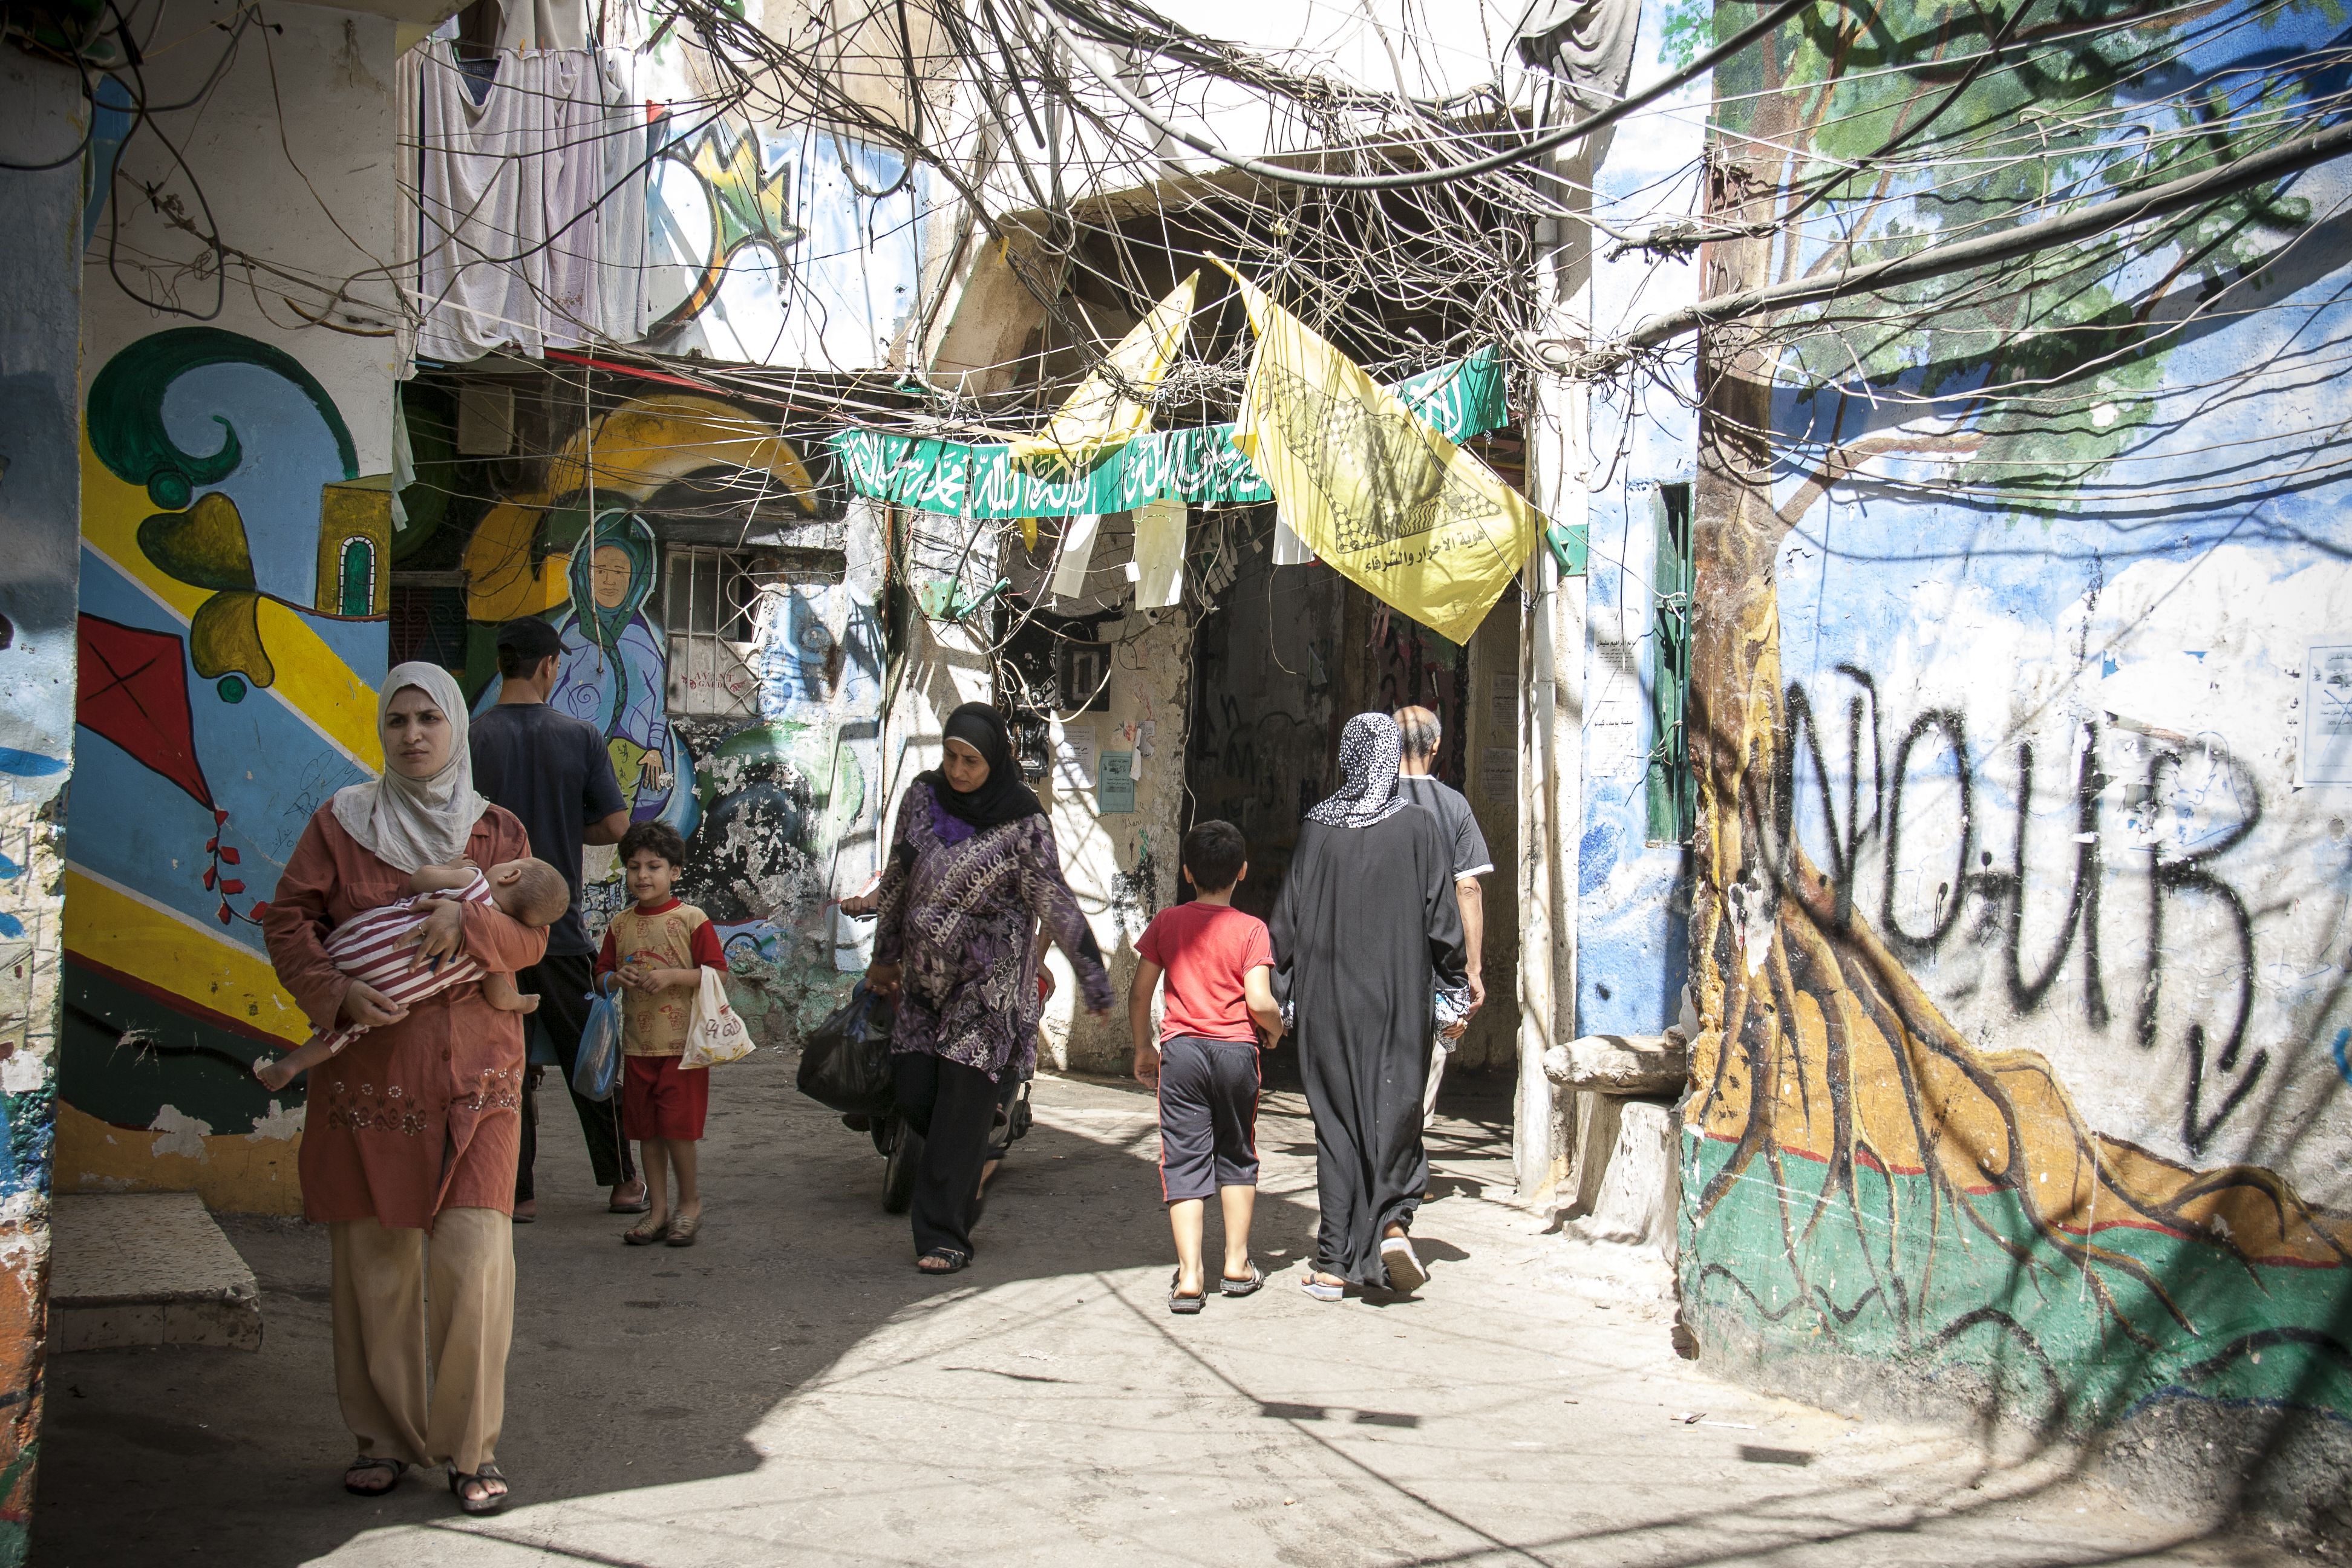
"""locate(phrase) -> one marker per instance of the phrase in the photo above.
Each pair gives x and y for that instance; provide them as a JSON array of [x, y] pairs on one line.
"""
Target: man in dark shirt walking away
[[1471, 861], [554, 773]]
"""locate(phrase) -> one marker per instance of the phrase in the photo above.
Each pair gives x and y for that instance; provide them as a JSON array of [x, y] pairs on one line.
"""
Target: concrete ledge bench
[[146, 1269], [1620, 1064]]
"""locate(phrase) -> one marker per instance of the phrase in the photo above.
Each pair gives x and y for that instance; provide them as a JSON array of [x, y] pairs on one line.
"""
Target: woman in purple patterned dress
[[972, 875]]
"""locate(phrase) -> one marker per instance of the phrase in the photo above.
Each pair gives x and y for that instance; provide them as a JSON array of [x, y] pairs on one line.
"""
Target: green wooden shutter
[[1673, 803]]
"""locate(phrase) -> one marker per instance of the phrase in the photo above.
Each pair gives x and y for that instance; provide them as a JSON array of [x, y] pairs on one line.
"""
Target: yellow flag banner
[[1103, 412], [1370, 487]]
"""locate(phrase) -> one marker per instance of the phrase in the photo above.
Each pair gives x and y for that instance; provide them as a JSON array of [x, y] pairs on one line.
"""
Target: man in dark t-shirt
[[554, 773], [1471, 861]]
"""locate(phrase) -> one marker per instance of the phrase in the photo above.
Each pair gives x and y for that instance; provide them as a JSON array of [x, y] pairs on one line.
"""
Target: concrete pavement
[[790, 1390]]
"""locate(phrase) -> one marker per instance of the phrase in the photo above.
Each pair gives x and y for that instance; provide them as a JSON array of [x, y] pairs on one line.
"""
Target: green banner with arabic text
[[1202, 466]]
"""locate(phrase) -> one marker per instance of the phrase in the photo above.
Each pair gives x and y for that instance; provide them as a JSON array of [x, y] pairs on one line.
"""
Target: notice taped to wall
[[1499, 772], [1115, 793], [2328, 715], [1073, 756]]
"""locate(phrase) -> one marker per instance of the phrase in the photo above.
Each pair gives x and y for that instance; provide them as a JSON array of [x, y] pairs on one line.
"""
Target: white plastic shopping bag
[[716, 1032]]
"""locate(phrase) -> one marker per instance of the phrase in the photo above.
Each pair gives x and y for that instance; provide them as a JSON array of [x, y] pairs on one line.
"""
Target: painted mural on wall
[[780, 246], [235, 572], [2022, 931], [613, 670], [738, 687]]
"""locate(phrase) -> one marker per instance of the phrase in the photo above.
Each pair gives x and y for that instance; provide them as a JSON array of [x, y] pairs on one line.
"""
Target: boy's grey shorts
[[1208, 1116]]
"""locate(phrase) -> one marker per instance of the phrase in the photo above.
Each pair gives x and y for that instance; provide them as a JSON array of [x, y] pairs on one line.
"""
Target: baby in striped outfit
[[374, 948]]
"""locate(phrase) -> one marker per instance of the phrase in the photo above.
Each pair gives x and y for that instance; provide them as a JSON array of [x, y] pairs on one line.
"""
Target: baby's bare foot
[[527, 1003], [272, 1074]]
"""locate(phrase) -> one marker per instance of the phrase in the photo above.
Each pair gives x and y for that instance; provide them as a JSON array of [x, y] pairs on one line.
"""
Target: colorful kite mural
[[228, 645]]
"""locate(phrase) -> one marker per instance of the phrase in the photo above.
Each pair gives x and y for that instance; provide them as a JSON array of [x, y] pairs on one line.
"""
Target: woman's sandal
[[367, 1464], [492, 1502], [1181, 1303], [641, 1236], [1249, 1286], [1406, 1272], [953, 1259], [1320, 1290], [682, 1229]]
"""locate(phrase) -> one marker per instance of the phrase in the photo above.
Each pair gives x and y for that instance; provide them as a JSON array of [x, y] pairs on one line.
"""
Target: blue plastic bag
[[596, 1072]]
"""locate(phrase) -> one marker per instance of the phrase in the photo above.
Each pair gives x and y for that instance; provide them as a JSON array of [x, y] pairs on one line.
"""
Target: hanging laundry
[[1372, 488], [529, 220]]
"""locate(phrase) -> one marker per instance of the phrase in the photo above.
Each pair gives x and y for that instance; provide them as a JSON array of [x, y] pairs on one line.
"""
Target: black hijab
[[1001, 797]]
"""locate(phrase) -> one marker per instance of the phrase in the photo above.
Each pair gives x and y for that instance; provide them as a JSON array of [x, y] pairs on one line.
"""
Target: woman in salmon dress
[[410, 1138]]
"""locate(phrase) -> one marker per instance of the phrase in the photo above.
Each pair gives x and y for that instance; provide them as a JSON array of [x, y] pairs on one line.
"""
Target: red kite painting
[[134, 692]]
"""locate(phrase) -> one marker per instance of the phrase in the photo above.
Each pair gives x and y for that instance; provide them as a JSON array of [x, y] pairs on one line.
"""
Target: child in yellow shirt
[[658, 950]]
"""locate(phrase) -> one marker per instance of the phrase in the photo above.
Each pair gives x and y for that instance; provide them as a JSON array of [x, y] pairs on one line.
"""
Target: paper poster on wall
[[2328, 715], [1073, 756], [1498, 773], [1116, 791]]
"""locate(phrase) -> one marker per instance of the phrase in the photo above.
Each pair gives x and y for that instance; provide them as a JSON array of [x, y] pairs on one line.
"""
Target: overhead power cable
[[1108, 77], [1942, 260]]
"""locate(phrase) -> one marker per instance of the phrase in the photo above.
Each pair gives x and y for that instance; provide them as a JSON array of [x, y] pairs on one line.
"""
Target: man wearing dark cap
[[554, 773]]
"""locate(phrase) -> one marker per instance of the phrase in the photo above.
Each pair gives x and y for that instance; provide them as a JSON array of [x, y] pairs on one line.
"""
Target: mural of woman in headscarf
[[613, 673]]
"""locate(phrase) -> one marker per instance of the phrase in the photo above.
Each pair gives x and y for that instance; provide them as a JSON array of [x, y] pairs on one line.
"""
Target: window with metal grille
[[713, 605], [428, 619], [1672, 795]]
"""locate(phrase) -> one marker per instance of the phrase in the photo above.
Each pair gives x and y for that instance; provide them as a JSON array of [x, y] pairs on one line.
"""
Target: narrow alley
[[790, 1390]]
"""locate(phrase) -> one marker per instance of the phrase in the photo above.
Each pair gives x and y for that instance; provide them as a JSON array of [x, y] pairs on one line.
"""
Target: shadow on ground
[[792, 1389]]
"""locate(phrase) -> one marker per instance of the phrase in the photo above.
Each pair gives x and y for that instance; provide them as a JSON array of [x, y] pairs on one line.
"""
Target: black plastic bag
[[845, 1064]]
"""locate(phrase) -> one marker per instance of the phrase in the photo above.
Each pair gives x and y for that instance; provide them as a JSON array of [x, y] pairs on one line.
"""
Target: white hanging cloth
[[1160, 554], [1289, 550], [529, 216], [1077, 549]]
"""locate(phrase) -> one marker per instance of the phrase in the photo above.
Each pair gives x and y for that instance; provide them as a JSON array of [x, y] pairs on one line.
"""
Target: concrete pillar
[[1551, 814]]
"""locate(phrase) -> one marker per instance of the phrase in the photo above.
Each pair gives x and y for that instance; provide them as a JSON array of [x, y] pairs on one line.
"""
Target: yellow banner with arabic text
[[1370, 487]]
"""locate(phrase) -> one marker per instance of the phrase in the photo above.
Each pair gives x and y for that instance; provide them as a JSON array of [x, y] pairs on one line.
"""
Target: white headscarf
[[1370, 749], [411, 823]]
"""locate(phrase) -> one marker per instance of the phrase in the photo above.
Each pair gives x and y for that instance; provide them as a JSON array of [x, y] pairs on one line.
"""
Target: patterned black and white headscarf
[[1370, 749]]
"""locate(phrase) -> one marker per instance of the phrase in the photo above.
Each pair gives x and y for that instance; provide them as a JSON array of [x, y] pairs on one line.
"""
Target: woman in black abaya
[[1366, 927]]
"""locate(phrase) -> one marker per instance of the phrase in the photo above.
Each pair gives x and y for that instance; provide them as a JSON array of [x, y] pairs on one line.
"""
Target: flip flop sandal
[[955, 1261], [370, 1462], [683, 1229], [480, 1505], [1319, 1291], [1405, 1273], [638, 1236], [1183, 1304], [1249, 1286]]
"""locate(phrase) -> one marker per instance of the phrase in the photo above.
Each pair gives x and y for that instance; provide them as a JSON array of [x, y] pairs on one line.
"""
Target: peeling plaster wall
[[234, 580], [40, 106], [1123, 866], [791, 816], [1633, 904]]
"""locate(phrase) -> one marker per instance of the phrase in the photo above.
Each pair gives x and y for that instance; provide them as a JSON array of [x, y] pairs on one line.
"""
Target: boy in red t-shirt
[[1220, 970]]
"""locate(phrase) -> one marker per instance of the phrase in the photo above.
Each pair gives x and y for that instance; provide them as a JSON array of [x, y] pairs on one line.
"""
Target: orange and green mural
[[2021, 941]]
